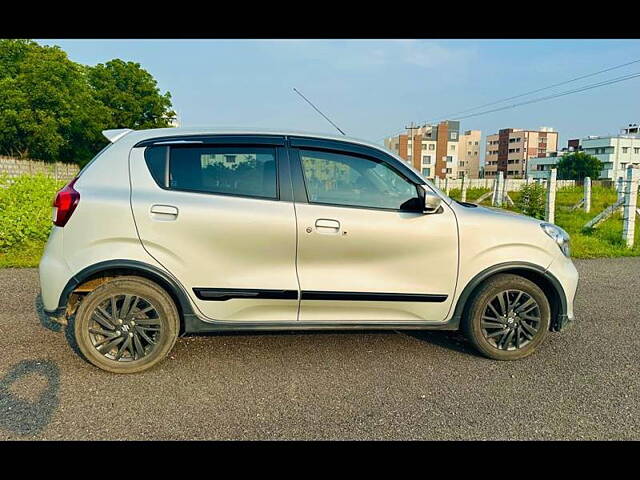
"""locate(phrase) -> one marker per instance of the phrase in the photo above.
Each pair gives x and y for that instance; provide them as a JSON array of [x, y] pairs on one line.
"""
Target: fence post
[[463, 193], [630, 202], [587, 194], [498, 186], [505, 189], [446, 185], [550, 206], [495, 186], [620, 188]]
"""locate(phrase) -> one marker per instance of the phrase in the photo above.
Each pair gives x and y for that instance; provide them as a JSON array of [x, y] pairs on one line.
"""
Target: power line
[[536, 90], [549, 97], [556, 95]]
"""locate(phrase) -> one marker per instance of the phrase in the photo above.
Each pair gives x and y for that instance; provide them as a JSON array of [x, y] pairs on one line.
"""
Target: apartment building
[[430, 149], [616, 152], [510, 149], [469, 154]]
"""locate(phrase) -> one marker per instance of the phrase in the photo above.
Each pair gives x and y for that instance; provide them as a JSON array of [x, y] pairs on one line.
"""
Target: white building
[[616, 152], [538, 167]]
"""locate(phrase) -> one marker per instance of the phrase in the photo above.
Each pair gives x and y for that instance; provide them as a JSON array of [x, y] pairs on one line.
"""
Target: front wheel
[[126, 325], [508, 317]]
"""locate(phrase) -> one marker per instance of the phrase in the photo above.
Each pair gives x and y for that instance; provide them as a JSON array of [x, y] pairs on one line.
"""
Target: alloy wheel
[[511, 320], [125, 328]]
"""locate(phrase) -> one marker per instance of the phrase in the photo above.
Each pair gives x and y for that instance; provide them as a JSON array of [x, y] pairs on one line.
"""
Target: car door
[[217, 213], [365, 252]]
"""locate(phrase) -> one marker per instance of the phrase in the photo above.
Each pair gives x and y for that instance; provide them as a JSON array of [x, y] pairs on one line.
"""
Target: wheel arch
[[94, 275], [535, 273]]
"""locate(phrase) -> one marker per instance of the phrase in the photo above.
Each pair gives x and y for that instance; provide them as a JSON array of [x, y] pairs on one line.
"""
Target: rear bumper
[[54, 272]]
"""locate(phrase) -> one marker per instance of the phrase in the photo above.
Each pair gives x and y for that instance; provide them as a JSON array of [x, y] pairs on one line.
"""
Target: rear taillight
[[65, 203]]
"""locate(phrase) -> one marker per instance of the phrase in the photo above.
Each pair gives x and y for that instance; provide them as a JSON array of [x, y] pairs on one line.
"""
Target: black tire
[[143, 344], [512, 336]]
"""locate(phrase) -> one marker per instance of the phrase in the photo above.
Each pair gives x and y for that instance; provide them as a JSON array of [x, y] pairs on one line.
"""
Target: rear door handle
[[164, 212], [327, 225]]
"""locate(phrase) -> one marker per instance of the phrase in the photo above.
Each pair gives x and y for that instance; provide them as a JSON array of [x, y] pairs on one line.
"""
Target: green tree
[[131, 94], [47, 110], [578, 165], [54, 109]]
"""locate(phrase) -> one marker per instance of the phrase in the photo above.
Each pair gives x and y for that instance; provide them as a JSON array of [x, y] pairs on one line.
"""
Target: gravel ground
[[581, 384]]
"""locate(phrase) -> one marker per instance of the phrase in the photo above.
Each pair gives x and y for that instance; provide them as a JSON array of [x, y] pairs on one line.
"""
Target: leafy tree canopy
[[132, 95], [54, 109], [578, 165]]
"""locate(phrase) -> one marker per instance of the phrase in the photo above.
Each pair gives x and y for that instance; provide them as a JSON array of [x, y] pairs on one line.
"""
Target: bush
[[25, 209], [531, 200]]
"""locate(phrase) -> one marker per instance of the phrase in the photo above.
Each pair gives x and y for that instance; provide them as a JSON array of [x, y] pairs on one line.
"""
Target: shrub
[[25, 209], [531, 200]]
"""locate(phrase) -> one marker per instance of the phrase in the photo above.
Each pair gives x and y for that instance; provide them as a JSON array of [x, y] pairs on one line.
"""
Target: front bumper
[[564, 271]]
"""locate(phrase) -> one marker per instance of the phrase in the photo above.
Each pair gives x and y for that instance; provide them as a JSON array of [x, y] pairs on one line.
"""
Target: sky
[[374, 88]]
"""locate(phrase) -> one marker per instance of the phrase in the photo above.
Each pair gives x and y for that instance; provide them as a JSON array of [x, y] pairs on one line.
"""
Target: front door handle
[[326, 225], [164, 212]]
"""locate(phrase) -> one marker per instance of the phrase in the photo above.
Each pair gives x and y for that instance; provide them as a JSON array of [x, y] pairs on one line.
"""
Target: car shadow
[[49, 324], [20, 415], [446, 339], [450, 340], [45, 321]]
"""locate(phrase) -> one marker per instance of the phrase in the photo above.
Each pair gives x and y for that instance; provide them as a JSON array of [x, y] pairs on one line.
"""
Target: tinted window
[[349, 180], [247, 171], [156, 158]]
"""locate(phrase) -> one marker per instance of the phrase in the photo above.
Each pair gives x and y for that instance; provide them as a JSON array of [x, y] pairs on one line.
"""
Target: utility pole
[[410, 128]]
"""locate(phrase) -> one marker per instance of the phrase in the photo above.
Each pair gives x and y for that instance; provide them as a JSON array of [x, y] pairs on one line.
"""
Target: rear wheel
[[508, 317], [126, 325]]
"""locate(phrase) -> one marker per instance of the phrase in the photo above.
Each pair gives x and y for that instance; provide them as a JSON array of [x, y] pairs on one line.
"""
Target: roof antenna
[[316, 109]]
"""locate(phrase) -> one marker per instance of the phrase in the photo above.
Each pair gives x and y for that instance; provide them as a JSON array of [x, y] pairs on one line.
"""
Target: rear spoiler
[[116, 134]]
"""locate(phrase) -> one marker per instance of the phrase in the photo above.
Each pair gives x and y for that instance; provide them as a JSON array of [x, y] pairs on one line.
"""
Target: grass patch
[[602, 241], [26, 255], [25, 218]]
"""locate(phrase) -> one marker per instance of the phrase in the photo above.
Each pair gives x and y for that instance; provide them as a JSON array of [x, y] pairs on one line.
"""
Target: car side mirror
[[431, 202]]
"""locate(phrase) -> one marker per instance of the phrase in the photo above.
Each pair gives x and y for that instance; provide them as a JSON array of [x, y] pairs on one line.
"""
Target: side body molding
[[193, 324]]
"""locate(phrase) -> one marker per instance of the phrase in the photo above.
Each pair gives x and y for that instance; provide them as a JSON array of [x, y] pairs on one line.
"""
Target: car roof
[[151, 133]]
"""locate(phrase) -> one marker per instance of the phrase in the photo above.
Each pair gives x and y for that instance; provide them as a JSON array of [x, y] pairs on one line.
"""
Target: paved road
[[582, 384]]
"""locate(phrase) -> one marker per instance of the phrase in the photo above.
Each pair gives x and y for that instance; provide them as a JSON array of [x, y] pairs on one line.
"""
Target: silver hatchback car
[[177, 231]]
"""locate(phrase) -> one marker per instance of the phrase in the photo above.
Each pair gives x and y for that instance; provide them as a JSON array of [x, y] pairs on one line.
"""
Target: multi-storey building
[[616, 152], [538, 167], [469, 154], [510, 149], [431, 149]]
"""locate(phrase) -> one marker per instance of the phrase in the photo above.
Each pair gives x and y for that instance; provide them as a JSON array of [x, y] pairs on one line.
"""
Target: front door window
[[349, 180]]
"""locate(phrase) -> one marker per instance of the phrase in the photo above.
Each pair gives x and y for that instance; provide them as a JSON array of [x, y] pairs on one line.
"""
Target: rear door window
[[226, 170]]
